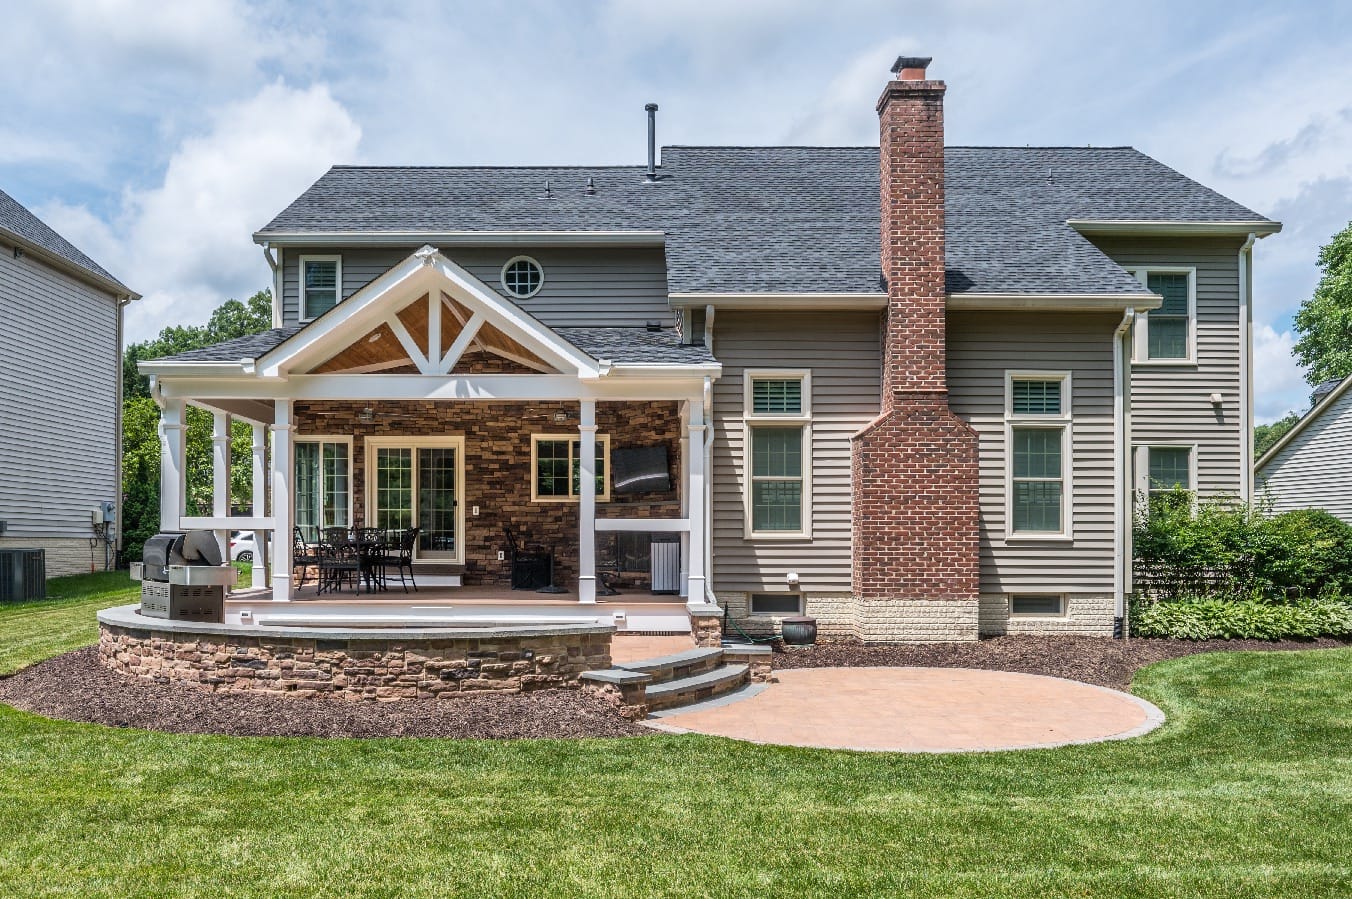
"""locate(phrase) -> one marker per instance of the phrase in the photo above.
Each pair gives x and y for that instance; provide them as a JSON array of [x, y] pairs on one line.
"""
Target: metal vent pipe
[[651, 174]]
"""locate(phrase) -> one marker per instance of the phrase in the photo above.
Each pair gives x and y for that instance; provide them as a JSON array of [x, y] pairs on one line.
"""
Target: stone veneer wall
[[365, 668], [873, 620], [1087, 615], [65, 555], [497, 467]]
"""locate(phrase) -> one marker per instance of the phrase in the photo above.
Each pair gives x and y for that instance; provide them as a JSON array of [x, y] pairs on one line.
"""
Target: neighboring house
[[60, 441], [915, 409], [1311, 466]]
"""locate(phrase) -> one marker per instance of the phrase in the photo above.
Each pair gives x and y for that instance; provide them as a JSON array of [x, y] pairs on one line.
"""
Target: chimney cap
[[903, 63]]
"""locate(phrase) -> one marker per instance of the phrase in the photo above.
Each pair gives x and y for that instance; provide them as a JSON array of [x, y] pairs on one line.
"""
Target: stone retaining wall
[[355, 668]]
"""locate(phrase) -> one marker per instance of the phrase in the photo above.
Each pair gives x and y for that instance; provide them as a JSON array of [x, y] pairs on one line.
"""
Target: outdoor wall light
[[1216, 399], [367, 415], [792, 578]]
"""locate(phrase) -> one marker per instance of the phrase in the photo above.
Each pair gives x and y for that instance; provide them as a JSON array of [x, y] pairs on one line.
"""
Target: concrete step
[[697, 687], [664, 669]]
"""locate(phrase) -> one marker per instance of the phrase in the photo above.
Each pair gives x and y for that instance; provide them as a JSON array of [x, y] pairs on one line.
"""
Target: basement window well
[[522, 277]]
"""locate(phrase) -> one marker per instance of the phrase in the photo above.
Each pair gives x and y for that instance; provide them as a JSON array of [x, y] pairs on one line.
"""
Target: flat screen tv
[[639, 469]]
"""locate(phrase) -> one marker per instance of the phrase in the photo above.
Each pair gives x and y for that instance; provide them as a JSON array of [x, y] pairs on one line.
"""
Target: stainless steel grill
[[183, 578]]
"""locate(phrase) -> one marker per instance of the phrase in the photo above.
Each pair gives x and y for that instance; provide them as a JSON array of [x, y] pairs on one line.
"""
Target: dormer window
[[522, 277], [321, 279]]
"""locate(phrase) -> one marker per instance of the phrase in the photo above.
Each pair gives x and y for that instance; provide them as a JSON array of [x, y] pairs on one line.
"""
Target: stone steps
[[683, 678]]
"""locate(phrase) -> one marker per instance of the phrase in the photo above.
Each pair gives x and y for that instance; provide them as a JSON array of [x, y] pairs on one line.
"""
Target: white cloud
[[1279, 382], [186, 242]]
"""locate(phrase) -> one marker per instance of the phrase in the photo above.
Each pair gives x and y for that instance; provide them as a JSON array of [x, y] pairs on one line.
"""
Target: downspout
[[275, 263], [1122, 505], [122, 302], [1245, 373]]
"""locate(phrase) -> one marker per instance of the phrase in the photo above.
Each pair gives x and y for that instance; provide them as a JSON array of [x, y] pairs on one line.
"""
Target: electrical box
[[96, 516], [109, 511]]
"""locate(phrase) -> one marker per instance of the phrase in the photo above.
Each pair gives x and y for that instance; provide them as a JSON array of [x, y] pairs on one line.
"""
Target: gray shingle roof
[[622, 345], [793, 219], [18, 221]]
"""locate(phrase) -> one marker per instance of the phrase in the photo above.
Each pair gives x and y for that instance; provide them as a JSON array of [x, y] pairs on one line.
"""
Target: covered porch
[[428, 401]]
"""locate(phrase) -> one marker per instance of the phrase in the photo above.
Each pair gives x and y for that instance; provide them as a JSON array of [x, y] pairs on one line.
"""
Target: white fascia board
[[1141, 302], [239, 368], [663, 370], [1305, 419], [1183, 229], [781, 301], [461, 238], [375, 388], [79, 272]]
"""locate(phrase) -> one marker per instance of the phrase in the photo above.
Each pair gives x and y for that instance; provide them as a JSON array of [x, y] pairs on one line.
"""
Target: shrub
[[1244, 619]]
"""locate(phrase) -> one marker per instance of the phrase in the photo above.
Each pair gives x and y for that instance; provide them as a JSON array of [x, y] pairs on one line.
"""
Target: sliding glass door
[[417, 482]]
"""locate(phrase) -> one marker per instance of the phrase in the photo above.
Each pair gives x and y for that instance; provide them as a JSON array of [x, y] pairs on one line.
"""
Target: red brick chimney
[[915, 467]]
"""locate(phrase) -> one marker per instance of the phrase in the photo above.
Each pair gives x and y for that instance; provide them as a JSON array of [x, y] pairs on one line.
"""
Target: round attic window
[[522, 277]]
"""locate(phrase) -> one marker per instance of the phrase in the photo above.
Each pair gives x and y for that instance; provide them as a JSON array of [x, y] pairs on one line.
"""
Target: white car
[[242, 546]]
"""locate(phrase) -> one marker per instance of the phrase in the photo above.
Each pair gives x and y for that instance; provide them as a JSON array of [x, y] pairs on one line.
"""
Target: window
[[1161, 469], [776, 407], [1166, 334], [556, 460], [522, 277], [1046, 605], [323, 485], [776, 603], [321, 278], [416, 482], [1037, 415]]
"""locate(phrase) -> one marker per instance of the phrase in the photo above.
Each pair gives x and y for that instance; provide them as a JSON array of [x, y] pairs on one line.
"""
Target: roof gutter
[[1053, 302], [787, 301], [1260, 227], [460, 238], [116, 288]]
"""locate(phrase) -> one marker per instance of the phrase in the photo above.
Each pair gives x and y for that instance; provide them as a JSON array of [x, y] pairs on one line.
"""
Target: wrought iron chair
[[402, 558], [372, 556], [338, 562], [303, 555]]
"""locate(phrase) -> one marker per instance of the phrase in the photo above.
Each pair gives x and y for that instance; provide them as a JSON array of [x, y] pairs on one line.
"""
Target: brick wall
[[915, 509], [497, 467]]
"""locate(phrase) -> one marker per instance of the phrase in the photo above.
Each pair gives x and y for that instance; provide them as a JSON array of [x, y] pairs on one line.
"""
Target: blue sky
[[158, 136]]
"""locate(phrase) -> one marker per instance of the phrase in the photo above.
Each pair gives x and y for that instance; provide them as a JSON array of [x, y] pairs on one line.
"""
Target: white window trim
[[602, 441], [351, 484], [1140, 339], [750, 421], [300, 278], [1064, 421], [395, 442], [1141, 460], [1062, 612], [502, 277]]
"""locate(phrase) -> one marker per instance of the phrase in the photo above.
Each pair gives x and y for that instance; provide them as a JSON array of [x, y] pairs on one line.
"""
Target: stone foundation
[[873, 620], [1087, 615], [707, 630], [64, 555], [363, 663]]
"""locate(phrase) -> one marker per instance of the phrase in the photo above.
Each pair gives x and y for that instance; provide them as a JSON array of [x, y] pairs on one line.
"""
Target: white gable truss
[[426, 312]]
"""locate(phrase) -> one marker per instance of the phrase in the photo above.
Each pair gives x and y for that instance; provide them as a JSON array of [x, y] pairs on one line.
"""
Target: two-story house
[[910, 390], [61, 427]]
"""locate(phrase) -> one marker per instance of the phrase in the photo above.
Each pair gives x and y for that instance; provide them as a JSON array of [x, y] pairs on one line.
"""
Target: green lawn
[[1247, 791]]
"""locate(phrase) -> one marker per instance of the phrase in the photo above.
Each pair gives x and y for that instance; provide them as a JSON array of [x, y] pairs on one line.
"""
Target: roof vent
[[591, 187], [549, 190], [651, 174], [654, 326]]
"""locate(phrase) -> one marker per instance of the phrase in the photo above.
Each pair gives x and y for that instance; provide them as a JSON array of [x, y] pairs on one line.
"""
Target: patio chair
[[372, 556], [338, 562], [530, 564], [303, 555], [402, 558]]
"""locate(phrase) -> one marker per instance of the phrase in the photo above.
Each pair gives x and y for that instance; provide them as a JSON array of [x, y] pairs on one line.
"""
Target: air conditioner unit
[[23, 574]]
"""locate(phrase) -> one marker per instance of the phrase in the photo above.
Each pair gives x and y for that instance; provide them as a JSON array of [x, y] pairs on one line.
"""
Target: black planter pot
[[799, 631]]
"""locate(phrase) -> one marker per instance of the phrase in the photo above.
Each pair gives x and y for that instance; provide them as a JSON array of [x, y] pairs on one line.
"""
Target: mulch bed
[[1093, 660], [75, 687]]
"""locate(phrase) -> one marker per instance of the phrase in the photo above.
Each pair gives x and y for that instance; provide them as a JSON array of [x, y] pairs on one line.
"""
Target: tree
[[140, 423], [1324, 321], [1266, 436]]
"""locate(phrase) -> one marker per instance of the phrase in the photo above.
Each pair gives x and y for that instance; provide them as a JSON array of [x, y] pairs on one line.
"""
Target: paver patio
[[922, 710]]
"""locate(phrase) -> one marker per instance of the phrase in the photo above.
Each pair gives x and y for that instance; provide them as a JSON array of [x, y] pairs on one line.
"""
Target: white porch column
[[220, 475], [260, 503], [173, 465], [694, 488], [283, 463], [682, 478], [586, 506]]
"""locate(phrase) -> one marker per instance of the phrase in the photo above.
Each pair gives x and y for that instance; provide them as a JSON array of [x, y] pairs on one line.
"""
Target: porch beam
[[283, 462], [586, 513], [173, 484], [437, 387], [410, 345], [468, 332], [644, 525]]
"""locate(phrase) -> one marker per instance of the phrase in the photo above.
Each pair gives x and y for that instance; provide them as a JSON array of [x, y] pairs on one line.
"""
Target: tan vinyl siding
[[625, 287], [58, 441], [1314, 470], [982, 346], [1170, 403], [842, 351]]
